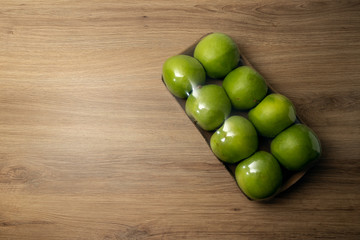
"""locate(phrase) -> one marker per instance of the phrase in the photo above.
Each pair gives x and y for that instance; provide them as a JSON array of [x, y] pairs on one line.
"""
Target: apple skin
[[272, 115], [218, 53], [259, 176], [208, 106], [245, 87], [181, 73], [235, 140], [296, 147]]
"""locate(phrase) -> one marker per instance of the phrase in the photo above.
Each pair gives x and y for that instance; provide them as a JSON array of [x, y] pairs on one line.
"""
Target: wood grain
[[92, 145]]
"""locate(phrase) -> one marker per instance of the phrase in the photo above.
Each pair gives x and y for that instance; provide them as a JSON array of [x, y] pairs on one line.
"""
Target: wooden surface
[[92, 145]]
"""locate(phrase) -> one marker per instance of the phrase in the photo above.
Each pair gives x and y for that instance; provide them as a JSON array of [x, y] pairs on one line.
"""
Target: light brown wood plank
[[93, 146]]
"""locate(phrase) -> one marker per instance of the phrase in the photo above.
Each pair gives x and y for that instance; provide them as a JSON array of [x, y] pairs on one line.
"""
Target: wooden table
[[93, 146]]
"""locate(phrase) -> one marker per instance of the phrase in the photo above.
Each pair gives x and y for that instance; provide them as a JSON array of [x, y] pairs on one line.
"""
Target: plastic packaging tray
[[289, 177]]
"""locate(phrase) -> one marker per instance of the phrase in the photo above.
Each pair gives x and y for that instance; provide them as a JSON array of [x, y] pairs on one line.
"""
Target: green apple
[[181, 73], [208, 106], [272, 115], [296, 147], [218, 53], [259, 176], [235, 140], [245, 87]]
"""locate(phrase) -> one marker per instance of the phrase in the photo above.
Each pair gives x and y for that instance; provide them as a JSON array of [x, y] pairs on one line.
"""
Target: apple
[[272, 115], [245, 87], [235, 140], [181, 73], [296, 147], [208, 106], [259, 176], [218, 53]]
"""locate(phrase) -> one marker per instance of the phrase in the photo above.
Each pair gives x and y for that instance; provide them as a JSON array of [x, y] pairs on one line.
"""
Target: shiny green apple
[[182, 73], [296, 147], [235, 140], [245, 87], [208, 106], [259, 176], [218, 53], [272, 115]]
